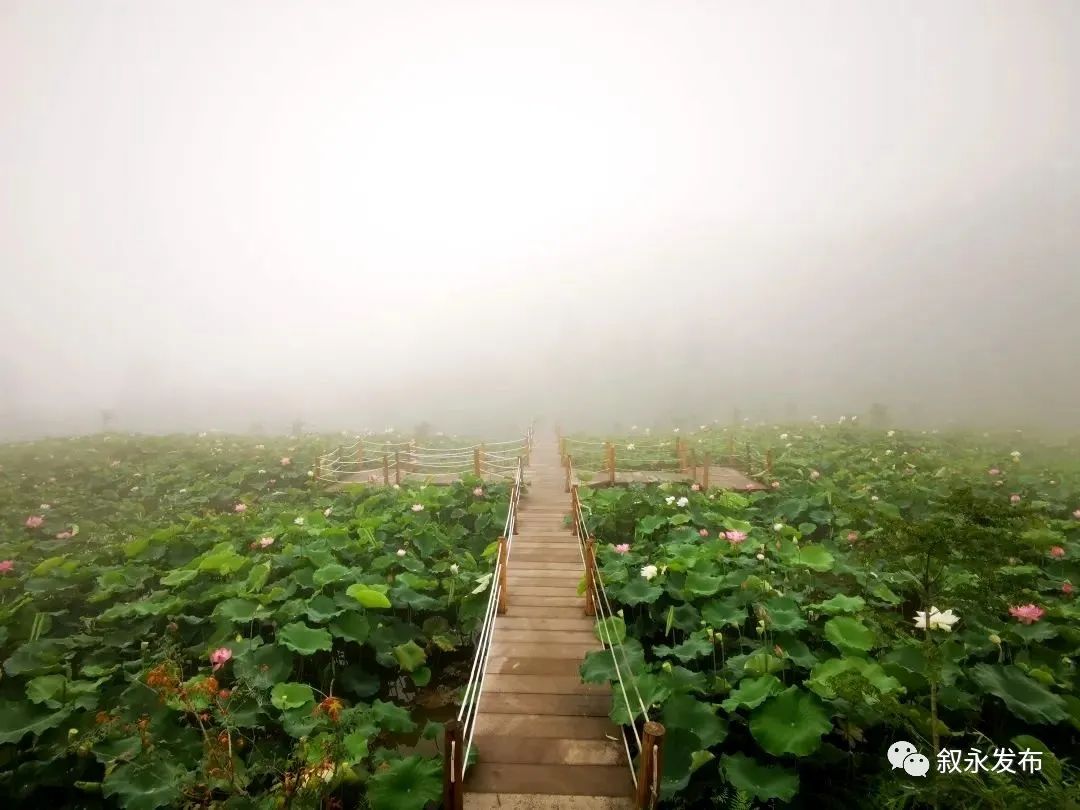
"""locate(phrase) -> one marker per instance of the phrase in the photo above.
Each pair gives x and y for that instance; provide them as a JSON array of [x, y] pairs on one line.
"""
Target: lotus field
[[886, 586], [190, 622]]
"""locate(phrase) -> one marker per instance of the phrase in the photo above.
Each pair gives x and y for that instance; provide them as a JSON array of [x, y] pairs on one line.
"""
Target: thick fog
[[227, 214]]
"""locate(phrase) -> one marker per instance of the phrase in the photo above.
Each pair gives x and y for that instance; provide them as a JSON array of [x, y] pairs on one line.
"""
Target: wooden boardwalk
[[544, 738]]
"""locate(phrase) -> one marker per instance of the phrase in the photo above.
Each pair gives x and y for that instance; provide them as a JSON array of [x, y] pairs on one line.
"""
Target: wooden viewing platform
[[544, 738]]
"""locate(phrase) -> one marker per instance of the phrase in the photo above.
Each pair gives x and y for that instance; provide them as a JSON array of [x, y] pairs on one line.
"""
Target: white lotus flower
[[299, 521], [454, 568], [262, 472], [683, 501], [1015, 454], [939, 620], [779, 527], [418, 507], [891, 433], [310, 474], [327, 511], [649, 571], [760, 556], [401, 552], [874, 498], [630, 446], [783, 437], [888, 452], [669, 500]]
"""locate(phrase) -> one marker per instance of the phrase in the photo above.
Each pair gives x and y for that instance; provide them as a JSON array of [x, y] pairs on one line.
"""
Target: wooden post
[[706, 465], [453, 762], [693, 465], [611, 462], [768, 459], [385, 470], [650, 765], [574, 509], [590, 589], [476, 461], [569, 464], [397, 467], [503, 562]]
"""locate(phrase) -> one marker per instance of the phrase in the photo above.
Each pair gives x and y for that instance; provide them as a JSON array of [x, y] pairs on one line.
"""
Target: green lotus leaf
[[406, 784], [264, 666], [304, 640], [841, 604], [639, 591], [784, 614], [391, 717], [762, 782], [816, 557], [409, 655], [684, 711], [599, 665], [720, 613], [147, 783], [180, 576], [849, 634], [421, 676], [368, 597], [1023, 695], [701, 584], [611, 630], [241, 610], [20, 717], [822, 676], [223, 562], [356, 744], [36, 658], [693, 648], [752, 692], [321, 608], [291, 695], [334, 572], [351, 627], [792, 722]]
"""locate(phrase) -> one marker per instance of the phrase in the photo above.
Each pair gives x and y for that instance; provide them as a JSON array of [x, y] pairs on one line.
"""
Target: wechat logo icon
[[903, 754]]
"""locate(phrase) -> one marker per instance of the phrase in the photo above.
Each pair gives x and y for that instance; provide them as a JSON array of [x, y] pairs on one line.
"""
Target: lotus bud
[[994, 637]]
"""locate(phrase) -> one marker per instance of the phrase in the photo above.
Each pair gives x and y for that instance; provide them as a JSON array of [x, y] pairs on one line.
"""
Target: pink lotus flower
[[1076, 514], [34, 521], [994, 471], [265, 542], [852, 536], [478, 492], [64, 536], [219, 656], [695, 487], [286, 461], [1057, 552], [735, 537], [240, 508], [1014, 498], [622, 548], [703, 532], [814, 475], [1027, 614], [6, 565], [1066, 587]]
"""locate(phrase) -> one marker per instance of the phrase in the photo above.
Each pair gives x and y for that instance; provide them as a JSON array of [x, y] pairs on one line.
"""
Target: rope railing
[[650, 740], [349, 464], [459, 732]]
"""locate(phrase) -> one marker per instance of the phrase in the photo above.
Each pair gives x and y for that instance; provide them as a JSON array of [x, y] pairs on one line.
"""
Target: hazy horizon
[[470, 214]]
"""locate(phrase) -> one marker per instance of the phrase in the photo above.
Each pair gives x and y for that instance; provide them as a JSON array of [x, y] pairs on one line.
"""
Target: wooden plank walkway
[[544, 738]]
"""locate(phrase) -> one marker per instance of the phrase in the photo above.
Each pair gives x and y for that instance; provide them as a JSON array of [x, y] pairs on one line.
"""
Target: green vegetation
[[887, 586], [188, 621]]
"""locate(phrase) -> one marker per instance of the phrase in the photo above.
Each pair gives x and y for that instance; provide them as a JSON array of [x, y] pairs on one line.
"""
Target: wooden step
[[515, 684], [575, 780], [541, 607], [555, 801], [547, 725], [543, 590], [515, 665], [531, 567], [583, 624], [540, 571], [513, 634], [548, 751], [534, 600], [527, 650], [571, 705], [563, 586], [525, 554]]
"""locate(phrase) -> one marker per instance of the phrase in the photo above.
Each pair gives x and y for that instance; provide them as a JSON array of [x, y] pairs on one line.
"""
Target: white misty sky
[[255, 201]]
